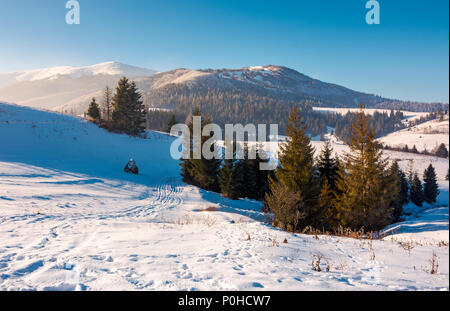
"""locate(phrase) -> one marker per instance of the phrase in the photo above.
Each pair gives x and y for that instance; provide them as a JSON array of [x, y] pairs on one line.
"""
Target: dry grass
[[434, 264], [407, 246]]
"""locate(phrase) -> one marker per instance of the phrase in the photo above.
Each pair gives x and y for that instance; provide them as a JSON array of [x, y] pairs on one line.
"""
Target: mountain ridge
[[68, 89]]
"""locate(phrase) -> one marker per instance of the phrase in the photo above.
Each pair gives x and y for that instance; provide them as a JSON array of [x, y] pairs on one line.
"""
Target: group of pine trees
[[234, 178], [123, 112], [358, 191], [426, 192]]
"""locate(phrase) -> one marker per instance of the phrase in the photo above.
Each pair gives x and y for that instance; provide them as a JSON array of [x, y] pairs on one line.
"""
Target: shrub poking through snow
[[131, 167]]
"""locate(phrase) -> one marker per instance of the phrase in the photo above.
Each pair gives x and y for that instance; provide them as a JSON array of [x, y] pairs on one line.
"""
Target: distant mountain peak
[[105, 68]]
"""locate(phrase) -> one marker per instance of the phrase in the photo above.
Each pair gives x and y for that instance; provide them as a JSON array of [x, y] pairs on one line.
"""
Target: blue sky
[[405, 57]]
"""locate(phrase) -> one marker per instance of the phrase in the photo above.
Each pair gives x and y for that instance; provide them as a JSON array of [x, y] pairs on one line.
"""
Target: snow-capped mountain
[[107, 68], [65, 86], [271, 80]]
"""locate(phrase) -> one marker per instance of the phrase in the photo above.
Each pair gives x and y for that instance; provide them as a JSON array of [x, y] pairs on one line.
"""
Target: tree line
[[440, 151]]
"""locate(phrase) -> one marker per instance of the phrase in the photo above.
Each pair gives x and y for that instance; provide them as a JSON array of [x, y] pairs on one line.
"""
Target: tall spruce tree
[[366, 187], [403, 190], [227, 180], [416, 191], [227, 177], [201, 172], [107, 104], [93, 110], [430, 185], [261, 176], [295, 187], [128, 109], [172, 121], [328, 166]]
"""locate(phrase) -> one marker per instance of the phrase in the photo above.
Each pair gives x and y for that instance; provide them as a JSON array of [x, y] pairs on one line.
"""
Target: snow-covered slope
[[70, 219], [428, 135]]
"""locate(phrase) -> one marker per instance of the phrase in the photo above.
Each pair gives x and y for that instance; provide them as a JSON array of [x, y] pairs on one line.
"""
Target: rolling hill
[[69, 89]]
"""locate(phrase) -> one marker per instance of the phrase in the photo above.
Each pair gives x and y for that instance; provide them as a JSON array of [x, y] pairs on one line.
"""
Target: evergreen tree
[[287, 206], [172, 121], [327, 206], [93, 110], [128, 109], [367, 189], [430, 186], [261, 176], [107, 104], [227, 180], [416, 191], [403, 189], [442, 151], [296, 178], [328, 166], [201, 172], [446, 176]]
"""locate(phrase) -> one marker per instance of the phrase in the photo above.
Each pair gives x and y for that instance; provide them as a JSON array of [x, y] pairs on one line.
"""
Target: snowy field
[[70, 219], [428, 135]]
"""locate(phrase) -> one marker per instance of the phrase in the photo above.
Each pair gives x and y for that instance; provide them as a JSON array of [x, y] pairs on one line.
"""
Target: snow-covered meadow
[[70, 219]]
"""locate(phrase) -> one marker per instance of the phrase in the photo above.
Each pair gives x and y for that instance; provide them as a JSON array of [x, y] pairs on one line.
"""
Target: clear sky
[[405, 57]]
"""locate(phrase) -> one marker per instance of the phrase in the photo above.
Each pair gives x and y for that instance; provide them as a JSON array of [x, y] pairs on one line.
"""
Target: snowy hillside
[[428, 135], [70, 219]]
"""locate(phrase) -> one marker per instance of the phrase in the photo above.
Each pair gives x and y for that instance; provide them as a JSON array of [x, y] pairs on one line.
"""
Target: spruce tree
[[107, 104], [430, 186], [93, 110], [442, 151], [416, 191], [328, 166], [172, 121], [227, 180], [128, 109], [366, 187], [403, 188], [247, 175], [296, 178], [261, 176], [201, 172]]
